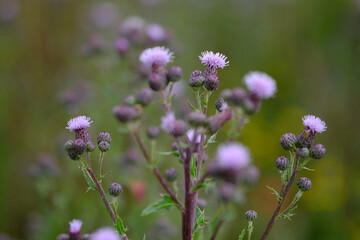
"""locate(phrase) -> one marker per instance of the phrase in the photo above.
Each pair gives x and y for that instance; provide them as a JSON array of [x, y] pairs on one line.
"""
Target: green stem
[[250, 229], [198, 99], [294, 201]]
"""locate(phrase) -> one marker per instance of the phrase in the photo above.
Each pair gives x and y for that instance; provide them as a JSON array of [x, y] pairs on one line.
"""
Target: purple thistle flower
[[232, 156], [79, 123], [315, 124], [213, 60], [156, 55], [167, 121], [106, 233], [260, 84], [155, 32], [75, 226], [190, 134]]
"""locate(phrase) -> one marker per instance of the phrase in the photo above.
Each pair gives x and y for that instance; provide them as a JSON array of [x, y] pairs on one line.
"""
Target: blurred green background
[[311, 48]]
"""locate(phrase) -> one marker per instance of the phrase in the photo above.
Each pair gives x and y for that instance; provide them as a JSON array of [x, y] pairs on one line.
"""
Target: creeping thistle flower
[[312, 125], [155, 33], [190, 134], [75, 227], [156, 55], [79, 125], [232, 156], [213, 60], [105, 234], [260, 85]]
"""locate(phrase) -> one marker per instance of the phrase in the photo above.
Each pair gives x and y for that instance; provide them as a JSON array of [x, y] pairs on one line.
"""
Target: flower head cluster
[[75, 226], [156, 55], [233, 156], [260, 84], [105, 234], [78, 123], [315, 124], [214, 60]]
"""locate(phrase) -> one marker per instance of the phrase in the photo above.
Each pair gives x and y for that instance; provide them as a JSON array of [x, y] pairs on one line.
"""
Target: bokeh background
[[49, 73]]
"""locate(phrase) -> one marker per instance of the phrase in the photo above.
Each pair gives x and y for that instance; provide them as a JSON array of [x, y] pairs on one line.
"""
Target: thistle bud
[[171, 174], [251, 215], [218, 120], [104, 136], [287, 141], [238, 96], [68, 145], [78, 146], [90, 146], [251, 106], [226, 94], [317, 151], [197, 119], [282, 163], [73, 156], [303, 152], [104, 146], [174, 74], [196, 79], [144, 97], [178, 129], [220, 104], [122, 45], [157, 81], [153, 132], [125, 113], [115, 189], [211, 83], [130, 100], [304, 184], [305, 139]]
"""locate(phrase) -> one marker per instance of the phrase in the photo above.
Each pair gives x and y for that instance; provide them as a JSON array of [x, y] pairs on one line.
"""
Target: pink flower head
[[75, 226], [233, 156], [158, 55], [105, 234], [315, 124], [155, 32], [132, 24], [78, 123], [260, 84], [190, 134], [167, 122], [213, 60]]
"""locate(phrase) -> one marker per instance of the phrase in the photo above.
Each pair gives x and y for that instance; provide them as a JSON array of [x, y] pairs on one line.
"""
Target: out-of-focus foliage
[[311, 47]]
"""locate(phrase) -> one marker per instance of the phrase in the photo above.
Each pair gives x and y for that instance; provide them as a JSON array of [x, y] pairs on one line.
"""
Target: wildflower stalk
[[217, 228], [283, 195], [250, 229], [155, 169]]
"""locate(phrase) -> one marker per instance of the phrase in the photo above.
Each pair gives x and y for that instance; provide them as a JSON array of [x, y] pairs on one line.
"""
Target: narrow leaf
[[162, 205], [193, 168], [242, 234], [120, 226], [276, 193], [191, 106]]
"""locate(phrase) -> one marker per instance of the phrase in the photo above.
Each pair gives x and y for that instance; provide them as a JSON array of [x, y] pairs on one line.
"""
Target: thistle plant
[[216, 177]]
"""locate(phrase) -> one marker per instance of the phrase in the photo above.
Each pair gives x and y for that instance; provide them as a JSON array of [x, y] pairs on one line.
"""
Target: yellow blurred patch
[[327, 192]]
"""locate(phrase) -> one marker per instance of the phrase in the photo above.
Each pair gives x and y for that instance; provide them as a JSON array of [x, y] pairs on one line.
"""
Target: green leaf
[[193, 169], [119, 225], [196, 236], [276, 193], [103, 176], [174, 153], [88, 179], [144, 238], [208, 183], [309, 169], [163, 205], [212, 139], [199, 219], [288, 215], [191, 106], [242, 234]]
